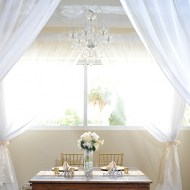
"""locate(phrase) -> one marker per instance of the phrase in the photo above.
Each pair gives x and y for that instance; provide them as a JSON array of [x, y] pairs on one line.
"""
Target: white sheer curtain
[[164, 125], [163, 27], [20, 22]]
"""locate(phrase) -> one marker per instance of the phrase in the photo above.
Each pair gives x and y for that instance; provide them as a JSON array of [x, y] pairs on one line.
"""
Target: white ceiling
[[111, 20]]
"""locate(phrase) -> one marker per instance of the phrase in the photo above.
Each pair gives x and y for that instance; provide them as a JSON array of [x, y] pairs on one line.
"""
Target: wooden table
[[47, 180]]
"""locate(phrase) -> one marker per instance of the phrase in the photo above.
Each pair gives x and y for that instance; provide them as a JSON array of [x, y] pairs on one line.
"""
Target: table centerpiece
[[89, 142]]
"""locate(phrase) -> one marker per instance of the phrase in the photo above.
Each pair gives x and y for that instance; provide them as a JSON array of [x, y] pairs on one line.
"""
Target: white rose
[[95, 136], [86, 137], [79, 143]]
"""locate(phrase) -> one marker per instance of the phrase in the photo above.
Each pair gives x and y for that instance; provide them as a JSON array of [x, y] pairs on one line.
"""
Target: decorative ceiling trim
[[73, 11]]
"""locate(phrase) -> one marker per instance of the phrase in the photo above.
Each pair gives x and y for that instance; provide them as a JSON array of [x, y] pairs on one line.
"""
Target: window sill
[[87, 128]]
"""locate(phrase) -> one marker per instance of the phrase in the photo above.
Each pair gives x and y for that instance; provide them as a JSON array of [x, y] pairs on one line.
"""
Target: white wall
[[37, 150]]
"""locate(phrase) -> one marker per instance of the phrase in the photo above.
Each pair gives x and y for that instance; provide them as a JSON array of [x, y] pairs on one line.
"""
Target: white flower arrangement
[[89, 141]]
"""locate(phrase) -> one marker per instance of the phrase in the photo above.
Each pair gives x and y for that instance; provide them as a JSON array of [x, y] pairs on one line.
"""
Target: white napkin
[[111, 165], [66, 166]]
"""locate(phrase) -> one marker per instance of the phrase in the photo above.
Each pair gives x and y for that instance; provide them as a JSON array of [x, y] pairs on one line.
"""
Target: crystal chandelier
[[91, 40]]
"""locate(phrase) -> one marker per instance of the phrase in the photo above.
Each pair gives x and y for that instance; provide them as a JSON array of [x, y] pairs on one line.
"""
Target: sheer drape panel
[[163, 28], [7, 26], [20, 23], [7, 175], [167, 131], [170, 177]]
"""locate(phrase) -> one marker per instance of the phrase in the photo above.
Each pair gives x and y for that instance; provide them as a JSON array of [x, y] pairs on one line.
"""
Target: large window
[[128, 88], [64, 94]]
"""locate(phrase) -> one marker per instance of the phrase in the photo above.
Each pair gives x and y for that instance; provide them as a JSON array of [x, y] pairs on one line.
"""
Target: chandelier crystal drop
[[90, 41]]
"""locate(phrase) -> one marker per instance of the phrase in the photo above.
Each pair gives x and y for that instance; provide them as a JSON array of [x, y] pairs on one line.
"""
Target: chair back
[[105, 159], [73, 159]]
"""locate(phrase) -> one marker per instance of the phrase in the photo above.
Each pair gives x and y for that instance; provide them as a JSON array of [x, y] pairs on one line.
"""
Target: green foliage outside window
[[117, 117], [186, 116], [71, 118], [100, 97]]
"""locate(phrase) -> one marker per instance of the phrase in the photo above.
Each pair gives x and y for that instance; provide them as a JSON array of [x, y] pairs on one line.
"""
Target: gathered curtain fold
[[163, 28], [20, 23], [167, 131]]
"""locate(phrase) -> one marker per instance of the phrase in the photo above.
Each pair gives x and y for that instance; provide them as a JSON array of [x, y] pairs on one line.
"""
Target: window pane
[[186, 116], [65, 96], [106, 99], [58, 89], [119, 93]]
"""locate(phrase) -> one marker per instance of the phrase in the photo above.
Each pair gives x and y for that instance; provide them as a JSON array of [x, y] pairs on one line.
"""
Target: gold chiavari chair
[[73, 159], [105, 159]]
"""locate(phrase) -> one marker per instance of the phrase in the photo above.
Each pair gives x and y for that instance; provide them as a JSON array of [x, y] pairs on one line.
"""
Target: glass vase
[[88, 163]]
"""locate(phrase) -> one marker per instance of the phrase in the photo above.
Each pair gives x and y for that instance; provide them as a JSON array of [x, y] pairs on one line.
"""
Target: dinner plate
[[62, 170], [106, 169]]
